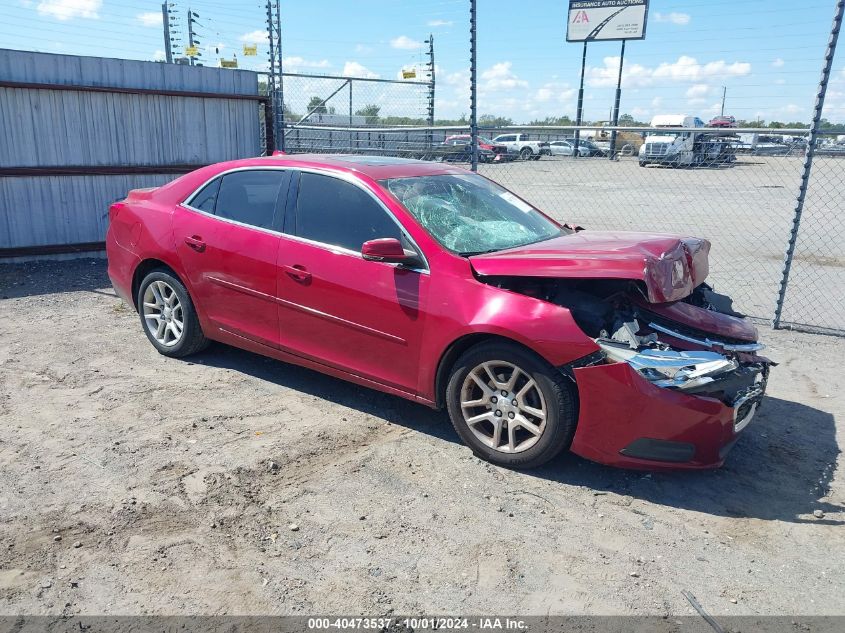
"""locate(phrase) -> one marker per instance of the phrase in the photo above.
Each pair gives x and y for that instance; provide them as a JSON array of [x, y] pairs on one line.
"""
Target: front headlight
[[668, 368]]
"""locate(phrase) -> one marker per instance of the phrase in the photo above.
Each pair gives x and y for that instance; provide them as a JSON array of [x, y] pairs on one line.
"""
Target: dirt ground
[[131, 483]]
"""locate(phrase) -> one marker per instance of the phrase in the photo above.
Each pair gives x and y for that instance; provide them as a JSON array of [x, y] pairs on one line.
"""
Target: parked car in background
[[522, 146], [488, 151], [587, 148], [432, 283], [565, 148], [723, 120]]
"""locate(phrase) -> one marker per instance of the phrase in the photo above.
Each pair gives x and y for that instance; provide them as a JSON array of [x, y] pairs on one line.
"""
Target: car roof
[[374, 166]]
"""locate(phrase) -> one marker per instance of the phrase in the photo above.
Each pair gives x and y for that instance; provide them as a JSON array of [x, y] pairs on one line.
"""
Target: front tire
[[510, 406], [168, 316]]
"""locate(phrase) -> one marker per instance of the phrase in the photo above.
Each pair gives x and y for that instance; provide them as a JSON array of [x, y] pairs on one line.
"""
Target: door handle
[[297, 272], [195, 242]]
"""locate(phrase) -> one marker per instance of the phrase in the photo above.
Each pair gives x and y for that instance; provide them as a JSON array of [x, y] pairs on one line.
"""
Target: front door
[[361, 316], [227, 239]]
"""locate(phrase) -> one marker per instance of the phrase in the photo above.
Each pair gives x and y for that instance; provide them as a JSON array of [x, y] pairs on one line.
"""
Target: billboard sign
[[606, 20]]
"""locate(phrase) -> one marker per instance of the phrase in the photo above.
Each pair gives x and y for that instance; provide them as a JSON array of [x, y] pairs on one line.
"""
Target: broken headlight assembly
[[668, 368]]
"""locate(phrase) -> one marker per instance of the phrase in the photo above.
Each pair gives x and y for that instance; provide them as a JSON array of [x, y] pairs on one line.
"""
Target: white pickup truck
[[521, 145]]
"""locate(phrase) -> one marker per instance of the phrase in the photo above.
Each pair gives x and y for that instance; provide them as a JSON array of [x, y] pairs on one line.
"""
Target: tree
[[491, 120], [371, 112], [316, 104], [553, 120], [626, 120]]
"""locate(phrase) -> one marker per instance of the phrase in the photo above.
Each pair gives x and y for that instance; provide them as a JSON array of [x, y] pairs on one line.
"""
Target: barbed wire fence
[[772, 202]]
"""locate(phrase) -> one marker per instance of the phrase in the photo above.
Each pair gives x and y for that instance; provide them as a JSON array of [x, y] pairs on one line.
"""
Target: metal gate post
[[808, 160], [473, 109]]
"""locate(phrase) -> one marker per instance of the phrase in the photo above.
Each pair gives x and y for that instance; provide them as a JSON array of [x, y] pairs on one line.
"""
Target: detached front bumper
[[627, 421]]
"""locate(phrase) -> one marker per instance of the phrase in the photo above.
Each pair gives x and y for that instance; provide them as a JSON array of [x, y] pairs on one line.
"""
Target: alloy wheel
[[163, 314], [503, 406]]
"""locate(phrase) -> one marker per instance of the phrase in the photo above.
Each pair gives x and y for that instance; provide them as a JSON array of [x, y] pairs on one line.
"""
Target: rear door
[[337, 308], [227, 239]]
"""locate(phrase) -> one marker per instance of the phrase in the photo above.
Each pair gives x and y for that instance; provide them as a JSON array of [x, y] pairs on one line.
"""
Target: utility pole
[[191, 41], [615, 120], [580, 103], [431, 81], [473, 103], [271, 75], [275, 80], [724, 94], [165, 21], [279, 100]]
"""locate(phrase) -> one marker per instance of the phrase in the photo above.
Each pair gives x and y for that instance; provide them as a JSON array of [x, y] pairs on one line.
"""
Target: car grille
[[656, 149]]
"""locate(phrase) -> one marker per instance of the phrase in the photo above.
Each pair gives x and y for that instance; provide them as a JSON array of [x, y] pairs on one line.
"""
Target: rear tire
[[531, 432], [525, 153], [168, 316]]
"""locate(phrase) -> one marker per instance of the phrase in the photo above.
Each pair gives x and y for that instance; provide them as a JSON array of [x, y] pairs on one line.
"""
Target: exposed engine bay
[[699, 345]]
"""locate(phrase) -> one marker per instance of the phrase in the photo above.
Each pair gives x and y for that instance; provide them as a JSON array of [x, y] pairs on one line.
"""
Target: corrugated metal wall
[[69, 128]]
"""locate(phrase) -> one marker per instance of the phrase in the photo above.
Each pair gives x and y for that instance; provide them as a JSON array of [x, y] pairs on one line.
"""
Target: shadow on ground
[[53, 276], [779, 470]]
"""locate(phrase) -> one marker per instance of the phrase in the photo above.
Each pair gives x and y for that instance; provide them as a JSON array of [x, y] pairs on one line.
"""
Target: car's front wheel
[[168, 315], [510, 406]]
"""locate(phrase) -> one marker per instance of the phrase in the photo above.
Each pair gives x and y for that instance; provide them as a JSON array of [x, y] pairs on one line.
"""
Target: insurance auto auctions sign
[[603, 20]]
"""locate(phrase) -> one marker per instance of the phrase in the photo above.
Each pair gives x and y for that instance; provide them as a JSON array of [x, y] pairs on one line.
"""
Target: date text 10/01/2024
[[418, 623]]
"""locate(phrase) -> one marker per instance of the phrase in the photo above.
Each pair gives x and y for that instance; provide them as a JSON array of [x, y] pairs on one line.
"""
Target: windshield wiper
[[473, 253]]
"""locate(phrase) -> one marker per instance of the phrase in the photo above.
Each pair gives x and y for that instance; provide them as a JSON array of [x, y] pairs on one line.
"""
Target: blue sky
[[767, 52]]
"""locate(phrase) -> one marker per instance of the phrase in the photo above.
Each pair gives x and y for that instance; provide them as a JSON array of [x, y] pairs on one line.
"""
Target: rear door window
[[250, 196], [206, 197]]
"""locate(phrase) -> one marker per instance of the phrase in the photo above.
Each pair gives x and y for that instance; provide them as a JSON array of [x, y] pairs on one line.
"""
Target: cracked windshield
[[469, 214]]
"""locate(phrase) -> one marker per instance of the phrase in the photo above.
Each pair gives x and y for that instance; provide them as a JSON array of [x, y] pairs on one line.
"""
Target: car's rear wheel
[[510, 406], [168, 315], [525, 153]]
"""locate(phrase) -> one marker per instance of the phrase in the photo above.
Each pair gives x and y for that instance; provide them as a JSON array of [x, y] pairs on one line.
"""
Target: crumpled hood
[[671, 266]]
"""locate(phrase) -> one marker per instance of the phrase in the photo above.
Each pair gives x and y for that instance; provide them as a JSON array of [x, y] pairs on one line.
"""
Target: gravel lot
[[131, 483]]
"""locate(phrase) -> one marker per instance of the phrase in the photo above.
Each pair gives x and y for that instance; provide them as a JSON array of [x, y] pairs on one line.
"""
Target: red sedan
[[435, 284]]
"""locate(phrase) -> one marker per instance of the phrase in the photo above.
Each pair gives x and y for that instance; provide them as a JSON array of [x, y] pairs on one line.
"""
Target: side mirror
[[389, 250]]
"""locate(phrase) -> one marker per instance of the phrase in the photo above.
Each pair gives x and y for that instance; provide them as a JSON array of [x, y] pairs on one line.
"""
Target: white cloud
[[159, 56], [405, 43], [255, 37], [153, 18], [554, 92], [500, 77], [697, 91], [69, 9], [299, 62], [778, 62], [440, 23], [363, 48], [674, 17], [686, 69], [354, 69]]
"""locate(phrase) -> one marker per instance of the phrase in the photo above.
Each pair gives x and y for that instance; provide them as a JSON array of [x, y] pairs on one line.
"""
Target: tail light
[[114, 210]]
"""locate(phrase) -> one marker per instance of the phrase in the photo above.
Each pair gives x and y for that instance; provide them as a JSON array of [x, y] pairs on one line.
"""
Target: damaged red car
[[435, 284]]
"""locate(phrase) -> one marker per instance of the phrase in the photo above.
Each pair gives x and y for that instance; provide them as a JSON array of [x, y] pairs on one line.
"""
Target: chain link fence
[[737, 188], [777, 227], [321, 111]]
